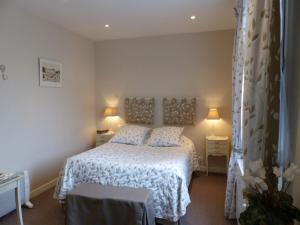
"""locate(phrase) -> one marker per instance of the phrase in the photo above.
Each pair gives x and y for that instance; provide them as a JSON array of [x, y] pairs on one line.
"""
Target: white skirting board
[[45, 187]]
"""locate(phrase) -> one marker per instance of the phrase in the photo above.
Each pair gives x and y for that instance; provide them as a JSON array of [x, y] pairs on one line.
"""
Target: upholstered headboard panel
[[179, 111], [140, 111]]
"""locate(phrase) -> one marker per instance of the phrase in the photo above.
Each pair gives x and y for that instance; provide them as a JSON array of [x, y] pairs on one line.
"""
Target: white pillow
[[165, 137], [131, 134]]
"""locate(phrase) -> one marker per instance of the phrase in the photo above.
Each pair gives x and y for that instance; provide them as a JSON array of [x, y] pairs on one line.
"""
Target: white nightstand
[[103, 138], [216, 146], [13, 183]]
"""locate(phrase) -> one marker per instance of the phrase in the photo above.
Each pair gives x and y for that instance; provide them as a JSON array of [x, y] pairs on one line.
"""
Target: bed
[[166, 171]]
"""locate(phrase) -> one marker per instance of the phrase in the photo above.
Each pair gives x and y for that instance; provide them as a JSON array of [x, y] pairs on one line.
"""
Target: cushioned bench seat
[[93, 204]]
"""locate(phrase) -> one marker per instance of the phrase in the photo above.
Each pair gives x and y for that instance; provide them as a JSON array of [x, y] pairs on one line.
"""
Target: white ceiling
[[134, 18]]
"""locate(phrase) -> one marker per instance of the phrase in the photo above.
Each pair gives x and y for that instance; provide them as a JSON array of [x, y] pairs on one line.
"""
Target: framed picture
[[50, 73]]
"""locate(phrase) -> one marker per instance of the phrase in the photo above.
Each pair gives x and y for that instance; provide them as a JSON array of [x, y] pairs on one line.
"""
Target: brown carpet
[[207, 207]]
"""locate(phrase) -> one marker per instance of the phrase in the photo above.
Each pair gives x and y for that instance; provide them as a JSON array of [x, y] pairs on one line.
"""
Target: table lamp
[[110, 112], [213, 115]]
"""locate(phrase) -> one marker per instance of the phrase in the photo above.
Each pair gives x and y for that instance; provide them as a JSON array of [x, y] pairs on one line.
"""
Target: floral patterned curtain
[[261, 81], [256, 103], [260, 107], [237, 80]]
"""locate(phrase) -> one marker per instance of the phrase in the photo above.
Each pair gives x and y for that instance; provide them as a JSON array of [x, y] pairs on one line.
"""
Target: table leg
[[206, 165], [29, 205], [227, 163], [18, 204]]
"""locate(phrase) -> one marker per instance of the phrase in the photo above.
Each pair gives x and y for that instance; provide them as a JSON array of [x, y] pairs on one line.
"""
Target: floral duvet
[[166, 171]]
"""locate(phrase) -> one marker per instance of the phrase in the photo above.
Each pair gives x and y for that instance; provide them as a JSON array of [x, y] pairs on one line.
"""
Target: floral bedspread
[[164, 170]]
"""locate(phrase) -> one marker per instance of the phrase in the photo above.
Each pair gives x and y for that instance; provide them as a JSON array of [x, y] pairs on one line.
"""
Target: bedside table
[[216, 146], [13, 183], [103, 138]]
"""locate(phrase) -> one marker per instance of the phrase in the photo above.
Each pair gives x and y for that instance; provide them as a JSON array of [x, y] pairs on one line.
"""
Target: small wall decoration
[[140, 111], [50, 73], [179, 111], [2, 70]]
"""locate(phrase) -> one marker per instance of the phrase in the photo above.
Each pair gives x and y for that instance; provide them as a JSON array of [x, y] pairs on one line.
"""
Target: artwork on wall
[[179, 111], [140, 111], [50, 73]]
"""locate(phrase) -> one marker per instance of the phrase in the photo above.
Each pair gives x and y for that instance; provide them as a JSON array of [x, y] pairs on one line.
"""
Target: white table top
[[13, 178], [217, 138]]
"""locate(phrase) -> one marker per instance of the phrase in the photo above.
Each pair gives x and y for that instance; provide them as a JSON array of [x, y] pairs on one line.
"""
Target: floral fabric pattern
[[165, 171], [165, 136], [230, 202], [131, 134], [237, 81], [256, 85], [261, 81], [179, 111], [188, 144], [139, 111]]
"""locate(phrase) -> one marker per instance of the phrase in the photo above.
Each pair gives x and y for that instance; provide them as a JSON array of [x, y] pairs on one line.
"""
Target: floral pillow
[[165, 137], [131, 134]]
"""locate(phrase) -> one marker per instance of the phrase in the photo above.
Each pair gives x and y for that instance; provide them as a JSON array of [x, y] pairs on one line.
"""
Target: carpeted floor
[[207, 207]]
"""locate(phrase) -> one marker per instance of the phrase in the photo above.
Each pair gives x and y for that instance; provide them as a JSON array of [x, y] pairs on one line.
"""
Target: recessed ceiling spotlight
[[106, 25], [193, 17]]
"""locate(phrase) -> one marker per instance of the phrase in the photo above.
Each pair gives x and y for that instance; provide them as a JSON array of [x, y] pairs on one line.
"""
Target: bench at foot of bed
[[91, 204]]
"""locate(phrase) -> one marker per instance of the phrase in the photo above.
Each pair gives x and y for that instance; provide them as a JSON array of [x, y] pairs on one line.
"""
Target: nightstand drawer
[[103, 138], [217, 144], [217, 151]]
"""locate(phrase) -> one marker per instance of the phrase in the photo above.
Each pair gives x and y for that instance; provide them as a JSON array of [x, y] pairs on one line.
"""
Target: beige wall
[[294, 89], [187, 65], [40, 127]]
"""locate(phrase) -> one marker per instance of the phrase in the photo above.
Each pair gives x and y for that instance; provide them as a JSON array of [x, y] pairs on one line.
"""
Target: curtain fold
[[237, 88], [261, 97], [284, 144], [256, 88]]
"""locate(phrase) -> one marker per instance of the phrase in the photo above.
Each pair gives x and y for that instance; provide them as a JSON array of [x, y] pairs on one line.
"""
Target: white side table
[[217, 146], [13, 184], [103, 138]]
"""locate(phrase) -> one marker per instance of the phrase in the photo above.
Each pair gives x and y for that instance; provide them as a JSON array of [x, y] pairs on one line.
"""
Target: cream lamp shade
[[213, 114], [110, 111]]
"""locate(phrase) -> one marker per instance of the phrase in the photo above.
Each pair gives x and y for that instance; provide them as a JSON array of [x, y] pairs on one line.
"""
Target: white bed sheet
[[166, 171]]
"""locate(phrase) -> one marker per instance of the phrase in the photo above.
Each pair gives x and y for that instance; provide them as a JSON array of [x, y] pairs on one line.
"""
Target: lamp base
[[213, 129]]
